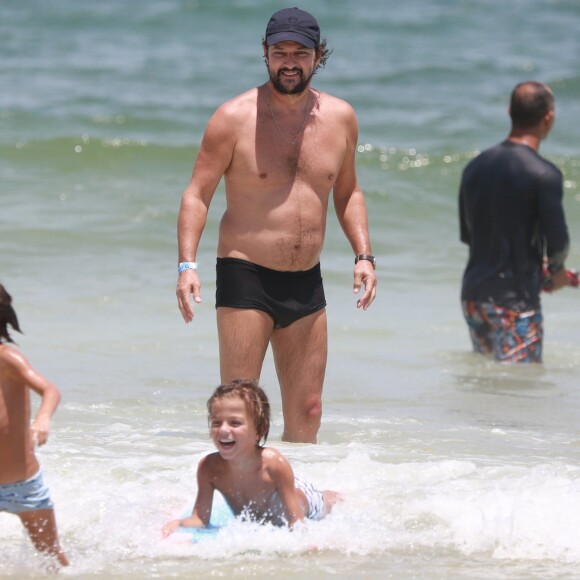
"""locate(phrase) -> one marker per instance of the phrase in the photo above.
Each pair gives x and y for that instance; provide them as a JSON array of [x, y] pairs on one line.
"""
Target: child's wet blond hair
[[255, 399]]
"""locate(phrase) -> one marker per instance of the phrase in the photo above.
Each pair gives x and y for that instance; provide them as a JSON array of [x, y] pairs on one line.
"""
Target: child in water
[[256, 481], [22, 490]]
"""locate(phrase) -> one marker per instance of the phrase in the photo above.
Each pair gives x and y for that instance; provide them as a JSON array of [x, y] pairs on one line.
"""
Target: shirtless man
[[22, 490], [281, 148]]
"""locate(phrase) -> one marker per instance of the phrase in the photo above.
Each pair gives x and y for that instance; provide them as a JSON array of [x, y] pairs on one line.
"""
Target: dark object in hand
[[548, 284]]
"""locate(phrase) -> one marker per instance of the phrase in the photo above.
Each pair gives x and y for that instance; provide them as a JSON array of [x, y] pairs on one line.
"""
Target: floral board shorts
[[508, 335]]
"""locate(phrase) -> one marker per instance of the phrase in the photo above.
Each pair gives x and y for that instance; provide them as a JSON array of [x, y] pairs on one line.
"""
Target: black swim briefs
[[285, 296]]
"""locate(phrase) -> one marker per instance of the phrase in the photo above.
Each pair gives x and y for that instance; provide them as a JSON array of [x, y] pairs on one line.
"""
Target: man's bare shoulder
[[337, 106], [230, 119], [237, 109]]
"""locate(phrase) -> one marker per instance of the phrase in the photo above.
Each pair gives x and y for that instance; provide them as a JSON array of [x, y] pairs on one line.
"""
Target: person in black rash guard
[[512, 219]]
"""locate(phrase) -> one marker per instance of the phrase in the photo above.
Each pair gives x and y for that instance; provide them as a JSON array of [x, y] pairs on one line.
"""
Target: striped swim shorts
[[315, 498]]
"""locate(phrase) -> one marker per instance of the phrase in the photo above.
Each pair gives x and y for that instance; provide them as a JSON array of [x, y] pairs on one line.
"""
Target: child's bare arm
[[49, 393], [283, 476], [50, 399], [201, 513], [190, 522]]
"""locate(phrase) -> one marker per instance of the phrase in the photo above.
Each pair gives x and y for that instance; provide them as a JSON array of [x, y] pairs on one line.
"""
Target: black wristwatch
[[368, 257]]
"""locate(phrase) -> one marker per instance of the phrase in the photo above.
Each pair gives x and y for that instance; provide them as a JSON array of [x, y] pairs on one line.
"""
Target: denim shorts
[[24, 496]]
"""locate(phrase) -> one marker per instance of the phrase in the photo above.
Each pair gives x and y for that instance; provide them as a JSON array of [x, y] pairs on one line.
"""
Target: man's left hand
[[364, 274]]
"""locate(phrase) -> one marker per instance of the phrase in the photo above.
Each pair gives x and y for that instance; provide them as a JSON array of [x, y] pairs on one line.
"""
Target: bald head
[[530, 103]]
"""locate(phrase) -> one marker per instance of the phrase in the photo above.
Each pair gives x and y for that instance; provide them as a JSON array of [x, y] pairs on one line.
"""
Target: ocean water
[[452, 466]]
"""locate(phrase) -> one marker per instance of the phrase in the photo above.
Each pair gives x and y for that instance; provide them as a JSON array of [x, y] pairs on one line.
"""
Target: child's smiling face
[[232, 428]]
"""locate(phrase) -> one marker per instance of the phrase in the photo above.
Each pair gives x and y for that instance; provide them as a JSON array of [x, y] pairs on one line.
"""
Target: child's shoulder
[[270, 452], [13, 365], [210, 457], [273, 456], [211, 461], [11, 355], [276, 464]]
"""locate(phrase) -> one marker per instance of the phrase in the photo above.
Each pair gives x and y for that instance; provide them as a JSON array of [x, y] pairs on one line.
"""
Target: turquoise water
[[453, 467]]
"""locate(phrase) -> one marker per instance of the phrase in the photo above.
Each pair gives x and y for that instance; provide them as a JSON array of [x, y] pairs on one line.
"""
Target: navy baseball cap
[[293, 24]]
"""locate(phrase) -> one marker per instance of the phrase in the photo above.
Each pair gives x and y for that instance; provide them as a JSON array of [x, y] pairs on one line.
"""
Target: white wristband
[[186, 266]]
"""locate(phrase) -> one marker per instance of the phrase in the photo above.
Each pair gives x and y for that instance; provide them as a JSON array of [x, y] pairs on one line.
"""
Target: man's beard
[[296, 89]]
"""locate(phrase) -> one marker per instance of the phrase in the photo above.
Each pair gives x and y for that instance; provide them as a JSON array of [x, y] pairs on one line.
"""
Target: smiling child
[[257, 482]]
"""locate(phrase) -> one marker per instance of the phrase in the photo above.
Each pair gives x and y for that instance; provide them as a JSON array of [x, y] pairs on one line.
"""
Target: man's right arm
[[214, 156], [553, 225]]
